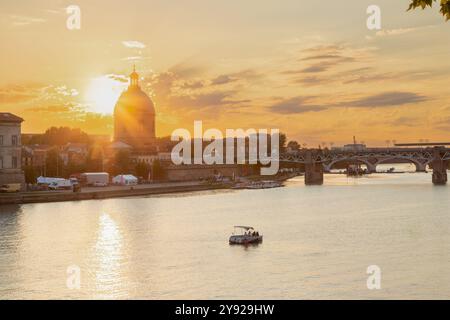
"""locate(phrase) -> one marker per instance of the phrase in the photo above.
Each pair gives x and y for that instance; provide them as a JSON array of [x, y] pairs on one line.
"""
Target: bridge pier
[[313, 170], [439, 167], [372, 168], [420, 167]]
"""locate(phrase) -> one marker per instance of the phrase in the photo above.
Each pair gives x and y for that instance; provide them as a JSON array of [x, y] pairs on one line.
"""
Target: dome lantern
[[134, 78]]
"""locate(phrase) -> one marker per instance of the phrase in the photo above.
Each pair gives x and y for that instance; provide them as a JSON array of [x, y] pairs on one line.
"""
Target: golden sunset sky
[[310, 68]]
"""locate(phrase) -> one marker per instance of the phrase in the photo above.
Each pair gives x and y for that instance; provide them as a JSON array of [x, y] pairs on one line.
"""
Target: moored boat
[[268, 184], [246, 235]]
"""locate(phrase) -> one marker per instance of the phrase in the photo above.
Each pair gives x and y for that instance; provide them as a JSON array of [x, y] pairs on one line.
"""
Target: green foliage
[[73, 168], [94, 161], [142, 170], [294, 145], [283, 140], [53, 165], [122, 162], [59, 136], [165, 144], [445, 6], [30, 174], [157, 170]]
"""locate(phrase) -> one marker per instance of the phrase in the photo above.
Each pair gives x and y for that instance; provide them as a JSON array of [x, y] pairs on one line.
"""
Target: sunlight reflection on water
[[318, 242]]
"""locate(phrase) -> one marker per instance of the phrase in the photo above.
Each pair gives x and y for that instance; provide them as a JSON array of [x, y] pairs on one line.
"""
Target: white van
[[62, 184]]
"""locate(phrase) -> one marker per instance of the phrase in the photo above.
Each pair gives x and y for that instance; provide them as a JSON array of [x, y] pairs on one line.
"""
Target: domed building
[[134, 117]]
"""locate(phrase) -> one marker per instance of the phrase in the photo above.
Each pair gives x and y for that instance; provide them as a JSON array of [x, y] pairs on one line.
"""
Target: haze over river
[[318, 243]]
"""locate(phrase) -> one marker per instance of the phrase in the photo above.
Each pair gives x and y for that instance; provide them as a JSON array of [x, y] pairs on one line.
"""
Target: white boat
[[245, 235], [264, 185], [240, 185]]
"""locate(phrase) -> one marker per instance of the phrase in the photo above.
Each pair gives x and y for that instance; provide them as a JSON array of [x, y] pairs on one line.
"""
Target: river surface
[[318, 243]]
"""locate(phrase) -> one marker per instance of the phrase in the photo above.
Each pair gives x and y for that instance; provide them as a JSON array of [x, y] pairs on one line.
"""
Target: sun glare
[[103, 92]]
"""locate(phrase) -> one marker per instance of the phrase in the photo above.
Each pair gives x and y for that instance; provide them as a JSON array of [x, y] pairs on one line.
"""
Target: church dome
[[135, 100], [134, 116]]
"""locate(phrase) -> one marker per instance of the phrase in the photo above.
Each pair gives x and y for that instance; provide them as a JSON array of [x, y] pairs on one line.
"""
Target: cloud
[[394, 32], [11, 94], [443, 124], [133, 44], [301, 104], [368, 77], [60, 108], [312, 81], [321, 66], [205, 100], [193, 85], [397, 32], [400, 31], [118, 77], [323, 58], [163, 85], [135, 58], [8, 98], [387, 99], [295, 105], [222, 79], [406, 121], [187, 69], [20, 21], [330, 48], [315, 69]]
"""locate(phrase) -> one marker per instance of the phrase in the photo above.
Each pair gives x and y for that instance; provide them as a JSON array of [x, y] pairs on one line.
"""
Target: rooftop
[[9, 117]]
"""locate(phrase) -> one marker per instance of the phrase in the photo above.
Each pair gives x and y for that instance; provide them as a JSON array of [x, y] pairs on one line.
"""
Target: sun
[[103, 92]]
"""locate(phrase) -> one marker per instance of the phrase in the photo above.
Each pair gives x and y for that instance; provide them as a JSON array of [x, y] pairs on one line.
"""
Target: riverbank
[[107, 192], [90, 193]]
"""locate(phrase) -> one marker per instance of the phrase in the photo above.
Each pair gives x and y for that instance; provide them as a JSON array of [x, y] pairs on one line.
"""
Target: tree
[[142, 170], [445, 6], [94, 161], [53, 164], [30, 174], [122, 161], [157, 170], [293, 145], [165, 144], [59, 136], [73, 168], [283, 141]]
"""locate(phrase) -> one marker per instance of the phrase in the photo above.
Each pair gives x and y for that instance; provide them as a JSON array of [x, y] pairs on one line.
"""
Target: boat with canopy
[[245, 235]]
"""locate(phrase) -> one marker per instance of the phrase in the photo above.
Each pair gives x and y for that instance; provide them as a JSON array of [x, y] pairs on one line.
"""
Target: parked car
[[11, 187], [62, 184]]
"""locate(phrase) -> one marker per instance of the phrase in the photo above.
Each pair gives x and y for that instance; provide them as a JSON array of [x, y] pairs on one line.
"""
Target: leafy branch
[[445, 6]]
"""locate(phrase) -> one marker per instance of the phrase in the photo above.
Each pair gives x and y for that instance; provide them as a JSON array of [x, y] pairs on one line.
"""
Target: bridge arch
[[370, 166], [420, 167]]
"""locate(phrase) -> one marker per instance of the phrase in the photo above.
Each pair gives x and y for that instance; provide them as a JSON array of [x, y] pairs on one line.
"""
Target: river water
[[318, 243]]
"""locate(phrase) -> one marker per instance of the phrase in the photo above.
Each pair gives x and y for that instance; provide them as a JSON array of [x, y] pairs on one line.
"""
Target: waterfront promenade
[[89, 193]]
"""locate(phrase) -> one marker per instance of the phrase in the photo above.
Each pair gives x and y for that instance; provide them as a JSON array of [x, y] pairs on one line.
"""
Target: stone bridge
[[317, 161]]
